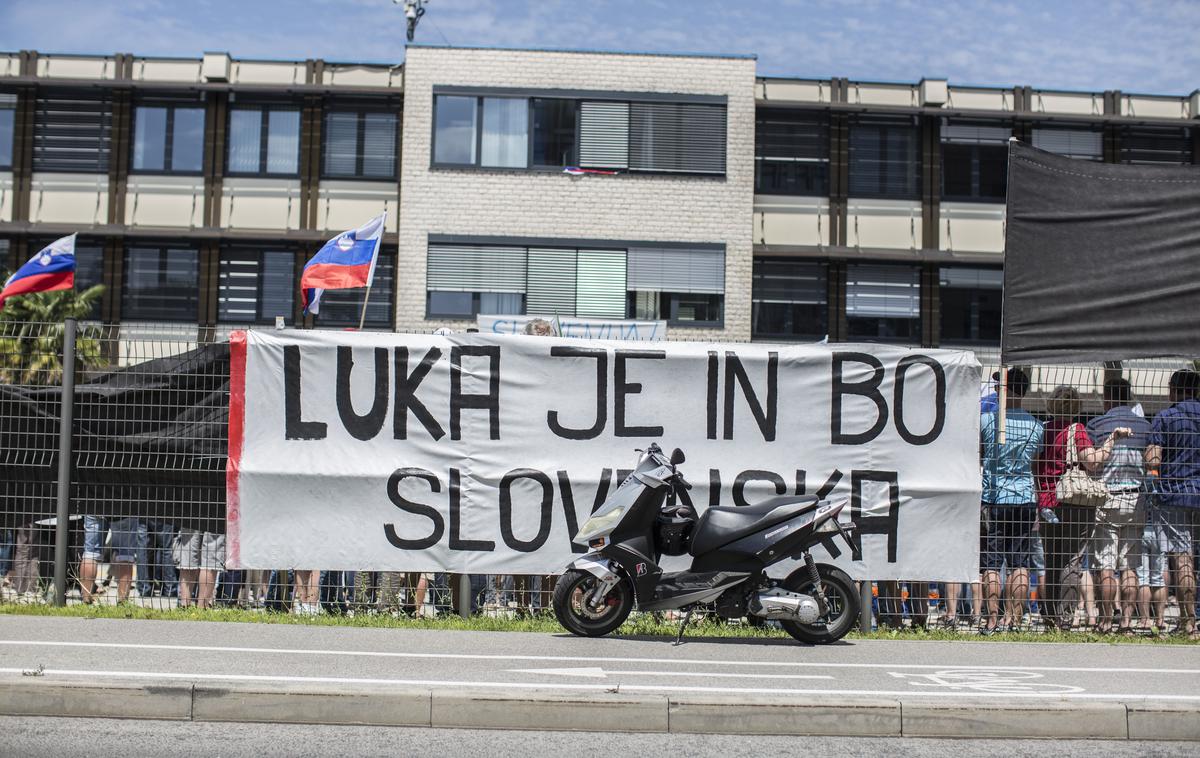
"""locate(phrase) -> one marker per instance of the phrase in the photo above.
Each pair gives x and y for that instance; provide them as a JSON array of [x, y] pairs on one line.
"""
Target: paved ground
[[81, 738], [108, 650]]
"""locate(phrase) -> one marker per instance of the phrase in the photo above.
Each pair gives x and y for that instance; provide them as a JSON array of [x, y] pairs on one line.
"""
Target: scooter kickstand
[[687, 616]]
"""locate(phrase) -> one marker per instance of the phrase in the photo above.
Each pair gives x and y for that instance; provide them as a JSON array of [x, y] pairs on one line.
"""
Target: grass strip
[[639, 625]]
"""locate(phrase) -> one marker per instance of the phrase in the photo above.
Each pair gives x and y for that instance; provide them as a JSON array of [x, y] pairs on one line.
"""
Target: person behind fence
[[1068, 525], [199, 555], [1173, 453], [1117, 536], [1009, 506], [125, 533]]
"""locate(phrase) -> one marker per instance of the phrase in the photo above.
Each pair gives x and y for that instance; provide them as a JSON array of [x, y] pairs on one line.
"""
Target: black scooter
[[649, 515]]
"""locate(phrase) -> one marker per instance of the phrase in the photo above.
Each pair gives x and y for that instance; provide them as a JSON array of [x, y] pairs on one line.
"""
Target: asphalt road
[[80, 738], [127, 650]]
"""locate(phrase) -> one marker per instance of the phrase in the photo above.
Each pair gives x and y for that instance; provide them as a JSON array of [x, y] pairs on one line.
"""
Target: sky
[[1148, 46]]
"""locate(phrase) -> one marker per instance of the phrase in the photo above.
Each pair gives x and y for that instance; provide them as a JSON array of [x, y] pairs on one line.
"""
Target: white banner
[[480, 453], [586, 328]]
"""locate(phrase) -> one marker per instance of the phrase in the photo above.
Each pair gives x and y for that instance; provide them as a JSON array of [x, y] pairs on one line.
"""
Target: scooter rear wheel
[[841, 595], [578, 617]]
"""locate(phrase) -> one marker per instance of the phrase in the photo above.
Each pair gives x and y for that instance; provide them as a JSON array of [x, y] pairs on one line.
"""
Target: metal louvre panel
[[966, 134], [1073, 143], [604, 135], [884, 159], [676, 270], [72, 133], [1147, 144], [782, 135], [237, 287], [682, 137], [883, 291], [8, 100], [550, 287], [600, 283], [476, 268]]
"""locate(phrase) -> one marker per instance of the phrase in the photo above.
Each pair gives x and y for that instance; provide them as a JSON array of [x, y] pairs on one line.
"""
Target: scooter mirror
[[677, 457]]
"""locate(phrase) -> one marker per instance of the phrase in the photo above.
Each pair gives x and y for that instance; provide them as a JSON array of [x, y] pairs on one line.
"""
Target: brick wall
[[534, 204]]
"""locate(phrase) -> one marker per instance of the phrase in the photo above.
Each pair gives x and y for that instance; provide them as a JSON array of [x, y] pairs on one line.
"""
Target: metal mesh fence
[[147, 496]]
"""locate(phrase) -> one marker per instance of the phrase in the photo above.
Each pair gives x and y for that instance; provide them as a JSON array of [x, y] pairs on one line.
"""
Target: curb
[[472, 709]]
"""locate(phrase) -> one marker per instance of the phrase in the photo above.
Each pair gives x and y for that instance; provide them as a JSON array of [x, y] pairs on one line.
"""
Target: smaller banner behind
[[479, 453], [1100, 260]]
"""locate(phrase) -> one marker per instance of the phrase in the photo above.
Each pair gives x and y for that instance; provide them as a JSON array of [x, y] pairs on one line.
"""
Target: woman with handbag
[[1068, 497]]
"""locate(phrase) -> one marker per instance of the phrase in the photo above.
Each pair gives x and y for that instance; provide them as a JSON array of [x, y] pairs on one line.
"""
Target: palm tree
[[31, 335]]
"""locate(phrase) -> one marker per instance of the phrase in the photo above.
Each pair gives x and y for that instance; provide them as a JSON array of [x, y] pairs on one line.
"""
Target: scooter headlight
[[597, 524]]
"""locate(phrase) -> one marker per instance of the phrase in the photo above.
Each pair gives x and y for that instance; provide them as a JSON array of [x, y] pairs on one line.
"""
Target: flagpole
[[362, 319]]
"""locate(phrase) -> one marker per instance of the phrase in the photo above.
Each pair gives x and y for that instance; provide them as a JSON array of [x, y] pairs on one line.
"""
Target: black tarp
[[149, 441], [1102, 261]]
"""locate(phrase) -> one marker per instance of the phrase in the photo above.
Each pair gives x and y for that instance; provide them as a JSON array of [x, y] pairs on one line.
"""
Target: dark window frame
[[260, 252], [578, 98], [475, 305], [820, 119], [666, 304], [263, 139], [942, 311], [12, 135], [360, 111], [169, 139], [877, 121], [756, 301], [103, 137], [163, 249], [915, 324]]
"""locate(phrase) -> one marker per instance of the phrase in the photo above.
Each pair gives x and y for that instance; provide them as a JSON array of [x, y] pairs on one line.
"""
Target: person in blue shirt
[[1173, 454], [1121, 522], [1009, 508]]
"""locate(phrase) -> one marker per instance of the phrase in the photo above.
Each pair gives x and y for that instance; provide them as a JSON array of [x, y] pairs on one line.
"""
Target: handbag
[[1075, 486]]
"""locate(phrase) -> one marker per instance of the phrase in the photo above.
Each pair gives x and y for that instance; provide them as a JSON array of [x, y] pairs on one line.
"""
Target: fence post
[[65, 427], [464, 596], [864, 602]]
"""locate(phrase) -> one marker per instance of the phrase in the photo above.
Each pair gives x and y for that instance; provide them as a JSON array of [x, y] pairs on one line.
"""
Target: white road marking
[[599, 673], [583, 659], [582, 687]]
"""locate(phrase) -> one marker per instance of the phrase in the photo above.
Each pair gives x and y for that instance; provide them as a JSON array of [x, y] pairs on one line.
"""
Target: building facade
[[608, 185]]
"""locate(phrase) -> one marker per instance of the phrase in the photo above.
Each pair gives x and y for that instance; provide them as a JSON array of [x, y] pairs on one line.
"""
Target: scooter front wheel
[[584, 618]]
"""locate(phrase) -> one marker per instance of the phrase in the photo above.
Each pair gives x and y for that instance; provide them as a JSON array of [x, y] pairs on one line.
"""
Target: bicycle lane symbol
[[992, 682]]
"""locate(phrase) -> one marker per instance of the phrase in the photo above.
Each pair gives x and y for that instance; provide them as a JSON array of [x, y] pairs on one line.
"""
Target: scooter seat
[[721, 525]]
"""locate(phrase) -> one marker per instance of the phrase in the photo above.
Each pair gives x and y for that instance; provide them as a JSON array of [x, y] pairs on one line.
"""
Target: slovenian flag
[[53, 268], [345, 262]]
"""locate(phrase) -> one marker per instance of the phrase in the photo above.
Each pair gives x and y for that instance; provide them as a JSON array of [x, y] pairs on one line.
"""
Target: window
[[161, 284], [1081, 144], [791, 152], [883, 157], [554, 125], [253, 287], [72, 131], [974, 162], [970, 304], [519, 132], [360, 145], [168, 138], [1165, 145], [790, 299], [264, 141], [684, 285], [344, 307], [8, 104], [454, 130], [883, 302]]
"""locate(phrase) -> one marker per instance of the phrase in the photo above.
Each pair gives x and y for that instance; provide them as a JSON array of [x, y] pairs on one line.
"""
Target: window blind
[[550, 287], [603, 134], [1083, 144], [683, 137], [784, 281], [476, 268], [959, 277], [883, 158], [72, 132], [379, 145], [972, 134], [341, 144], [1148, 145], [600, 283], [676, 270], [882, 291]]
